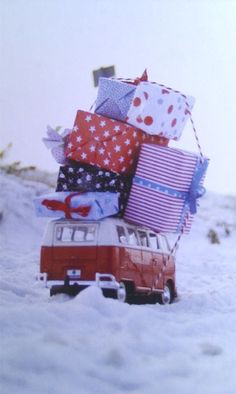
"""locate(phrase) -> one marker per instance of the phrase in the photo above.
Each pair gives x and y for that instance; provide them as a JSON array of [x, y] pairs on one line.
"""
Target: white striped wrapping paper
[[160, 186]]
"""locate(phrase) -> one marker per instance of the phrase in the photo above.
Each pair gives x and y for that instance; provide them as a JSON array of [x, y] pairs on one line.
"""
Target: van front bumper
[[71, 286]]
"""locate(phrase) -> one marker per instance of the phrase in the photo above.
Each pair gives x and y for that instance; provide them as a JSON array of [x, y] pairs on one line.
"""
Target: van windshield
[[75, 233]]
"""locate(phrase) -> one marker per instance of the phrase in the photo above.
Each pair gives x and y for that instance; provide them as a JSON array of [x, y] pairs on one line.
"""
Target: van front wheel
[[122, 293]]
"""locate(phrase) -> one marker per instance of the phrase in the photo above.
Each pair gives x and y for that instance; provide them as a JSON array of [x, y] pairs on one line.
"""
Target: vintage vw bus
[[123, 259]]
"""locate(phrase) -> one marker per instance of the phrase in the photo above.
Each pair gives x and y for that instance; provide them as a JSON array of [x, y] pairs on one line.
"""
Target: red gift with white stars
[[107, 143]]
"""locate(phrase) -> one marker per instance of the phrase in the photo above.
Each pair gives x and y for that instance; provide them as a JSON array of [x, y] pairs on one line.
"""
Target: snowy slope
[[90, 344]]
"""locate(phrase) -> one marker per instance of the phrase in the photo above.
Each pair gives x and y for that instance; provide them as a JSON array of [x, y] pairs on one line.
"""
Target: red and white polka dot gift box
[[159, 110], [149, 106], [106, 143]]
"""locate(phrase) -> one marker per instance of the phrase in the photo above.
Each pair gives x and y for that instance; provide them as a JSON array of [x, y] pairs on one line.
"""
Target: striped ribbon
[[161, 188]]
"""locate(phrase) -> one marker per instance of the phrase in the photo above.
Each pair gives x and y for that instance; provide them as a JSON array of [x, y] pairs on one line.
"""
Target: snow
[[91, 344]]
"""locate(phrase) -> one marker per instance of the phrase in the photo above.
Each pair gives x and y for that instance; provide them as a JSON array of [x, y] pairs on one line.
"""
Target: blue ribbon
[[195, 190]]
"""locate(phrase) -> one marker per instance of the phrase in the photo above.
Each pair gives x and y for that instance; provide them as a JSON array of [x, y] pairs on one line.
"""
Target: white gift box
[[159, 110]]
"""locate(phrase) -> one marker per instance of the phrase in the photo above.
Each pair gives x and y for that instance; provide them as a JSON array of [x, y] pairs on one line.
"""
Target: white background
[[50, 47]]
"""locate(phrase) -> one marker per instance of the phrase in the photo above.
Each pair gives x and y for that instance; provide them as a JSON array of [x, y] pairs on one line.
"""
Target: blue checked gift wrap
[[166, 187], [79, 206], [114, 98]]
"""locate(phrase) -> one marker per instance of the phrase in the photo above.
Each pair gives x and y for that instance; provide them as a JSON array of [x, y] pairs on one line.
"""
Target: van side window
[[154, 244], [143, 238], [121, 234], [164, 243], [132, 237]]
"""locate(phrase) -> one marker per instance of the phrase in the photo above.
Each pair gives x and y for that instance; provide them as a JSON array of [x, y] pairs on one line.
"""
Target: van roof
[[106, 235], [111, 220]]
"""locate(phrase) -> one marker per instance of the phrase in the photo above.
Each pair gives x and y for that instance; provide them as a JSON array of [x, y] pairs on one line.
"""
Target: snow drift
[[90, 344]]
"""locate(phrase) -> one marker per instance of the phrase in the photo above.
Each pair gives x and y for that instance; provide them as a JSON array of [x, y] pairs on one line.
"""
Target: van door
[[130, 254], [75, 250], [147, 258], [123, 244], [158, 261]]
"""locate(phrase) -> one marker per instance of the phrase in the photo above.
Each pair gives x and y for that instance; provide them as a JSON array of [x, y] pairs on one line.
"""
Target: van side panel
[[46, 260], [158, 270], [131, 267], [147, 267], [115, 262], [169, 274]]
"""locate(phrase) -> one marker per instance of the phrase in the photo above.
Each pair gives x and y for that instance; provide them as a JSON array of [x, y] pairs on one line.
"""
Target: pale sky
[[50, 47]]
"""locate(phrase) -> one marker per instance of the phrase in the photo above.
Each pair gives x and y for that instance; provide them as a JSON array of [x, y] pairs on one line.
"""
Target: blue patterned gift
[[83, 177], [114, 98], [79, 206]]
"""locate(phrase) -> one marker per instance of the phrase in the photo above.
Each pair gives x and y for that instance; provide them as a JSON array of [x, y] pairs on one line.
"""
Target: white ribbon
[[56, 142]]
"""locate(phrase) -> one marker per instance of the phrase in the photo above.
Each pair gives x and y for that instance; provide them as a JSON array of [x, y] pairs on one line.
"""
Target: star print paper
[[106, 143], [86, 178]]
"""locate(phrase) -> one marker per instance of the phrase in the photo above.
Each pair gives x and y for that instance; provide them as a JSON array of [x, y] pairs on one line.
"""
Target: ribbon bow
[[56, 142], [143, 78], [196, 190], [55, 205]]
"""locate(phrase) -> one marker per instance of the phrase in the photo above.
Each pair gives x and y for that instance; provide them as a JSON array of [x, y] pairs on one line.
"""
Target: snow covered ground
[[91, 344]]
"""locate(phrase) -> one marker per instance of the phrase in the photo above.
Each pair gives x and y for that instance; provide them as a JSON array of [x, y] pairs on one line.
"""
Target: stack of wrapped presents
[[115, 161]]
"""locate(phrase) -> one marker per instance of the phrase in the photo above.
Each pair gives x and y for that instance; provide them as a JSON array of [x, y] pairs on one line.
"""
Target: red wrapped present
[[106, 143]]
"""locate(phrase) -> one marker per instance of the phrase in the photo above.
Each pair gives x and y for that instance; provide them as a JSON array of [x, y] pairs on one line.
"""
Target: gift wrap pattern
[[86, 178], [165, 188], [56, 142], [153, 108], [159, 110], [106, 143], [114, 98], [80, 206]]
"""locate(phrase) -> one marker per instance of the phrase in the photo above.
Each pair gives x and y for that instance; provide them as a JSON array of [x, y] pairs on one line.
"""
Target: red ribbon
[[143, 78], [55, 205]]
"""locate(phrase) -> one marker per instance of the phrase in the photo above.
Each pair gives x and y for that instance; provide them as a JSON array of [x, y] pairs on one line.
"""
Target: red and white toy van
[[123, 259]]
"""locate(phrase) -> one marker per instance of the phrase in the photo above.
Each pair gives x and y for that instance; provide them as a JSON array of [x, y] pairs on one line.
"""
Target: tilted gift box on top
[[106, 143], [86, 178], [149, 106], [79, 206], [165, 187], [159, 110]]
